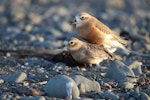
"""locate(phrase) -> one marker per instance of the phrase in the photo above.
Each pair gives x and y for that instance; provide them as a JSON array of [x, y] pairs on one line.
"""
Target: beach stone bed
[[31, 32]]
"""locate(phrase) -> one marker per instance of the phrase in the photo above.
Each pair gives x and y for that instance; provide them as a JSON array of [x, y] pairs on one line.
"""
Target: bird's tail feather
[[118, 57], [126, 50], [115, 56]]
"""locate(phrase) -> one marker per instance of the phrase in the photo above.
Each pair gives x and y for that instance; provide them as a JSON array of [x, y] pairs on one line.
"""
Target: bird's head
[[73, 44], [81, 19]]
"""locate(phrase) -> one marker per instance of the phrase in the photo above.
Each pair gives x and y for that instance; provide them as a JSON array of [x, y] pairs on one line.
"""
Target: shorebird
[[87, 53], [94, 31]]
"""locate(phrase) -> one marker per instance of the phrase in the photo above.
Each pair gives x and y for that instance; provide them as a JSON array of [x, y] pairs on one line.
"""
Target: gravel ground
[[31, 29]]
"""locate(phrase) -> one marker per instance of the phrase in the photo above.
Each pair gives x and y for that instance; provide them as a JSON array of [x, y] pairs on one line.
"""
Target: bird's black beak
[[74, 22]]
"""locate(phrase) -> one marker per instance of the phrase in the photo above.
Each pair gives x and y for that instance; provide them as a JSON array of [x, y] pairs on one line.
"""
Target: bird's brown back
[[98, 51], [102, 27], [95, 31]]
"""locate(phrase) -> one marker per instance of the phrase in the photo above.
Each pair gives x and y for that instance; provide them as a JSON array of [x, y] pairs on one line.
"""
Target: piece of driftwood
[[57, 55]]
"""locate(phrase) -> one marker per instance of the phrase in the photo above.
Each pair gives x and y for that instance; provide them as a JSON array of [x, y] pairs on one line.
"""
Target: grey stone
[[110, 95], [120, 72], [3, 96], [56, 33], [127, 96], [116, 3], [131, 98], [86, 85], [147, 91], [134, 94], [24, 37], [35, 18], [144, 96], [126, 85], [42, 44], [33, 98], [66, 27], [138, 46], [1, 81], [59, 86], [16, 77], [68, 36], [85, 99]]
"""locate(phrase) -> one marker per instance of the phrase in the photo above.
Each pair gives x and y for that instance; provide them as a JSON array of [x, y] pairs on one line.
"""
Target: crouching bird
[[87, 53]]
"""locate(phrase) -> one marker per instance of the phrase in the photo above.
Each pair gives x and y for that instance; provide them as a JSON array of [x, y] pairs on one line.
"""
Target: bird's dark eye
[[82, 18], [71, 43]]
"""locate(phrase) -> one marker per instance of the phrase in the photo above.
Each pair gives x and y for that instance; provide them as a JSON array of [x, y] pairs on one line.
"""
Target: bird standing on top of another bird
[[87, 53], [94, 31]]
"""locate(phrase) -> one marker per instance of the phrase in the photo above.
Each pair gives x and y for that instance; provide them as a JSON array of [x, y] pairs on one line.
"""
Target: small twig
[[139, 54]]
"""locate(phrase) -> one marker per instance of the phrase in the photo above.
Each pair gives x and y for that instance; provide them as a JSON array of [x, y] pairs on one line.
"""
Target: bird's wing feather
[[96, 51], [107, 30]]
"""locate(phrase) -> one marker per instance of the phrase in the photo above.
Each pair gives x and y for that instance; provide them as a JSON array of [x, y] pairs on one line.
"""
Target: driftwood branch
[[57, 55]]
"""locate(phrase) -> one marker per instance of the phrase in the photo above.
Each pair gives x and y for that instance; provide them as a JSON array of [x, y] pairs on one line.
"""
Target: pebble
[[68, 36], [33, 98], [127, 95], [84, 99], [110, 95], [16, 77], [115, 4], [144, 96], [44, 24], [66, 27], [135, 66], [86, 85], [107, 86], [24, 37], [56, 33], [126, 85], [131, 98], [58, 87], [120, 72], [34, 92], [9, 96], [42, 44], [28, 28], [138, 46], [1, 81], [35, 18], [147, 91], [134, 94]]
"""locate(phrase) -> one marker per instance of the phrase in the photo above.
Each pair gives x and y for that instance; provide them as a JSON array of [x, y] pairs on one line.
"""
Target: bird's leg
[[92, 71], [91, 67], [98, 71], [96, 66]]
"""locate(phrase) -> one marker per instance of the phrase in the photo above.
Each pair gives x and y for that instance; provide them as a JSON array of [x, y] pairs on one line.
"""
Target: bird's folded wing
[[96, 51], [107, 30]]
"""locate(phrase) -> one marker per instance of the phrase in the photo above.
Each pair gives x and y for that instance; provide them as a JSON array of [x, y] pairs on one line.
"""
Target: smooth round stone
[[126, 85], [66, 27], [144, 96], [86, 85], [110, 95], [62, 86], [135, 66], [134, 94], [147, 91], [16, 77], [24, 37], [1, 81], [131, 98], [120, 72], [33, 98]]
